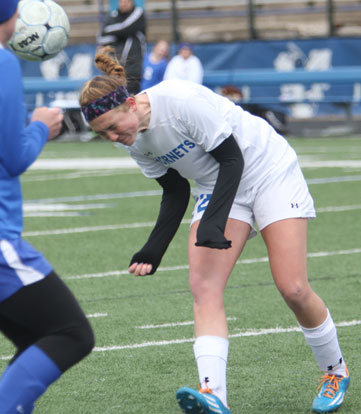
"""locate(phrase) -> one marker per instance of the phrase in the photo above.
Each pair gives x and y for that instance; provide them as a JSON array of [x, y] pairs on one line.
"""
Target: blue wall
[[282, 55]]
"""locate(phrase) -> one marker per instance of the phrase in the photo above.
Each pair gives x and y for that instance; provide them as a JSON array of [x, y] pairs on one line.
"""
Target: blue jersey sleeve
[[19, 145]]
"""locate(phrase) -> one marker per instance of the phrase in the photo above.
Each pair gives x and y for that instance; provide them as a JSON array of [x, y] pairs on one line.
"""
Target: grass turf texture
[[274, 373]]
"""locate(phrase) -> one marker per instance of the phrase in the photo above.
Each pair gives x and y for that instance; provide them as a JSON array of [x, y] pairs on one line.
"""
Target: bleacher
[[84, 16], [203, 21], [226, 20]]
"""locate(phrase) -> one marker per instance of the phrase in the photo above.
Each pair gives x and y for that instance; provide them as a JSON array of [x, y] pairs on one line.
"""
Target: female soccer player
[[245, 173], [38, 313]]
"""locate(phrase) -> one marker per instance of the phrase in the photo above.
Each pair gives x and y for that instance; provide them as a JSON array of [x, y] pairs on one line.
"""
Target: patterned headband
[[104, 104]]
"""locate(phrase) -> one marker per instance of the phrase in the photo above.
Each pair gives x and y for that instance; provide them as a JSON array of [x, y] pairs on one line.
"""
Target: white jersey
[[189, 120], [184, 69]]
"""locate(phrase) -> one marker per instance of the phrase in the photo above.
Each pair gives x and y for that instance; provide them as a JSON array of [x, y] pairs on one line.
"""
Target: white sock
[[324, 344], [211, 354]]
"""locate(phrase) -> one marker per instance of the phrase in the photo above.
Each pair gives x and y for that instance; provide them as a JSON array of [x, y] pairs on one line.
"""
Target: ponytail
[[114, 76]]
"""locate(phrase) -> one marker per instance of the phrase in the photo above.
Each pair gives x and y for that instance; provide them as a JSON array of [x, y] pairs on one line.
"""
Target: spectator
[[38, 313], [155, 64], [185, 65], [124, 29]]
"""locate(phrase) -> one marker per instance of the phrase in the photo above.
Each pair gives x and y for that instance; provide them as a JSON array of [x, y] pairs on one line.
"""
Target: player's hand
[[51, 117], [140, 269]]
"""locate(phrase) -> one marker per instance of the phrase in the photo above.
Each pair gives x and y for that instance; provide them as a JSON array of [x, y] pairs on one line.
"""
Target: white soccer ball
[[41, 30]]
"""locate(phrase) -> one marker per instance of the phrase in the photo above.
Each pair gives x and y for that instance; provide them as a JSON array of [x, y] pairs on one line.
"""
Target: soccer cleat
[[200, 402], [332, 392]]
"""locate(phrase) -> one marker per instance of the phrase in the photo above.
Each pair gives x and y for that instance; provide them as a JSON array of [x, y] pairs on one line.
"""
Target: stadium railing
[[340, 85], [216, 78], [344, 79]]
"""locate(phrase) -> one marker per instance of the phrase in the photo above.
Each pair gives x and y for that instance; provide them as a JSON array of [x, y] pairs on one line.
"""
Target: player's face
[[118, 125], [185, 52], [161, 48], [125, 6]]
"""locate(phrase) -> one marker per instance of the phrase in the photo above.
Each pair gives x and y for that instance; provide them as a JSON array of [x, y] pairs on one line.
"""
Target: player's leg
[[286, 242], [51, 333], [209, 273], [282, 206]]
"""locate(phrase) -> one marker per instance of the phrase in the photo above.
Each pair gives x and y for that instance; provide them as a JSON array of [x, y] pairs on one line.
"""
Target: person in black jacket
[[124, 30]]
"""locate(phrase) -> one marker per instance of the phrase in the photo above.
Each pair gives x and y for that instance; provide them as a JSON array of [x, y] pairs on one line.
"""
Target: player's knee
[[204, 291], [294, 294], [199, 285], [77, 343], [83, 337], [69, 345]]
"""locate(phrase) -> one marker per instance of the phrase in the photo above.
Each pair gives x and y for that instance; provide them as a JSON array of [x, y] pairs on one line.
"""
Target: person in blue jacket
[[38, 313], [154, 65]]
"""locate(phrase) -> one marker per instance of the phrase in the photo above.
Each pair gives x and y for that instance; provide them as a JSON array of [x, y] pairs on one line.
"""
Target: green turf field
[[89, 219]]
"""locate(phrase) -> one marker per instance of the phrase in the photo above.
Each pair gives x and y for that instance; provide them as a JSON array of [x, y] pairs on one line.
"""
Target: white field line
[[89, 229], [252, 332], [55, 214], [97, 315], [185, 267], [84, 163], [98, 173], [330, 164], [73, 210], [328, 180], [151, 224], [72, 176], [278, 330], [61, 210], [174, 324], [111, 196], [127, 162], [96, 197], [78, 174], [338, 208], [29, 207]]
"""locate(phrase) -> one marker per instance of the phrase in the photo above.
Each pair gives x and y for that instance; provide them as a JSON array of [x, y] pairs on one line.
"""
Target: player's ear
[[131, 103]]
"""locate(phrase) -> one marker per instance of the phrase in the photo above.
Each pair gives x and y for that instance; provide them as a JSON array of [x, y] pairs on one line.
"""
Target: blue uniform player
[[38, 313], [155, 64]]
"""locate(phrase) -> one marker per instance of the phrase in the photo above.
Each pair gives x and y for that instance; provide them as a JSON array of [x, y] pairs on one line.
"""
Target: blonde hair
[[99, 86]]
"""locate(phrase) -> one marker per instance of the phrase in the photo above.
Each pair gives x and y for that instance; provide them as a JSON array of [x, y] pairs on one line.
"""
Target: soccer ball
[[41, 30]]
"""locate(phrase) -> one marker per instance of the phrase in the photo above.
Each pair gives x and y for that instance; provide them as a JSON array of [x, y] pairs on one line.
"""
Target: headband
[[104, 104]]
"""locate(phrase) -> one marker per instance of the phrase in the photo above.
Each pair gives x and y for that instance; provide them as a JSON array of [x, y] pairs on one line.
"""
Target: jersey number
[[203, 202]]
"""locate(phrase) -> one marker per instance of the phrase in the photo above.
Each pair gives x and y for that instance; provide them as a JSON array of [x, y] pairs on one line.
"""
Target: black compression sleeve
[[210, 232], [176, 192]]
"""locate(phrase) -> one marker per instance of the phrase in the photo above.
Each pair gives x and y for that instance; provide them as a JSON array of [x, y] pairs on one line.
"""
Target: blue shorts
[[20, 265]]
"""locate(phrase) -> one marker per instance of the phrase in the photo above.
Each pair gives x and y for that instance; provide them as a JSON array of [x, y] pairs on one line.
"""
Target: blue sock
[[25, 380]]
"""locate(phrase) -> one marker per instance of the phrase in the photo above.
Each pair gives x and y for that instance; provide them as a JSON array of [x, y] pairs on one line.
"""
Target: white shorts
[[281, 194]]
